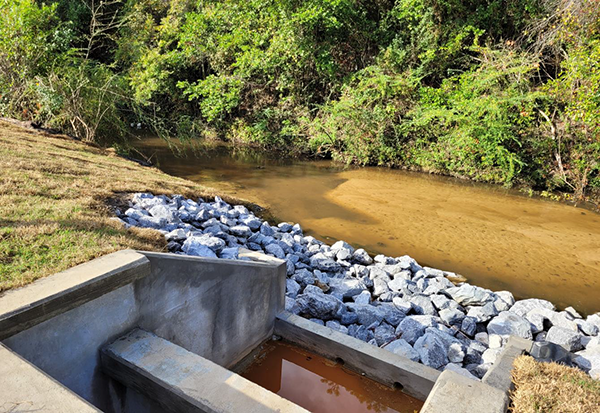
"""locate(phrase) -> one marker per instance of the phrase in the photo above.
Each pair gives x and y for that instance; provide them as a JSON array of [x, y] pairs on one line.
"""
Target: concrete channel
[[151, 332]]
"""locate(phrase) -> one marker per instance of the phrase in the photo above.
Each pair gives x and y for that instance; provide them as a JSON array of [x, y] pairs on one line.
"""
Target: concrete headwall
[[218, 309]]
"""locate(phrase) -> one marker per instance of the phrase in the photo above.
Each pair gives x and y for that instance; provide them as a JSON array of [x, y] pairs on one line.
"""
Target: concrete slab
[[383, 366], [23, 308], [455, 393], [181, 381], [25, 388], [499, 375]]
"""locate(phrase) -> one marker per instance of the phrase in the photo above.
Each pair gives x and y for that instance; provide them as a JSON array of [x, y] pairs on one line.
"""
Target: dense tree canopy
[[504, 91]]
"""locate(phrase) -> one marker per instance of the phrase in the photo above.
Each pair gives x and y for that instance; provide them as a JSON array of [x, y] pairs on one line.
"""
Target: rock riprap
[[389, 302]]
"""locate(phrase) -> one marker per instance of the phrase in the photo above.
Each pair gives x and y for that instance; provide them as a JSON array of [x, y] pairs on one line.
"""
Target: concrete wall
[[219, 309]]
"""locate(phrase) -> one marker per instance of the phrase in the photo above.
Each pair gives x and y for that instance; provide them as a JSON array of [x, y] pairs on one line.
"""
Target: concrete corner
[[454, 393]]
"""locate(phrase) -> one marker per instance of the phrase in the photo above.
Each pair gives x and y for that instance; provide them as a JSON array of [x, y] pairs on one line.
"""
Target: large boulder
[[367, 314], [413, 327], [321, 262], [431, 350], [509, 323], [362, 257], [318, 305], [347, 288], [196, 245], [403, 349], [522, 307], [468, 294], [567, 338]]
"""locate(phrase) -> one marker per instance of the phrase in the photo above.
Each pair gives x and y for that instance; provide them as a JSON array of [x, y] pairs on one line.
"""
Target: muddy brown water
[[495, 237], [320, 385]]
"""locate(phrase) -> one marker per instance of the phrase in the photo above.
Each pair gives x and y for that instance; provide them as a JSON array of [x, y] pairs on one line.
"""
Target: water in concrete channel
[[497, 238], [320, 385]]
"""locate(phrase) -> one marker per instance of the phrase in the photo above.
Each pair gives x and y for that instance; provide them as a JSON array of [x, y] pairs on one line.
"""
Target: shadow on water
[[497, 238]]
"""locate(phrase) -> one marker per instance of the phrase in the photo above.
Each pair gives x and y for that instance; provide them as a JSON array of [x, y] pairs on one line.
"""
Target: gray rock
[[292, 288], [490, 355], [252, 222], [402, 304], [588, 359], [176, 235], [347, 288], [317, 321], [469, 295], [193, 244], [320, 262], [483, 314], [318, 305], [586, 327], [413, 327], [507, 323], [163, 212], [522, 307], [304, 277], [572, 312], [241, 231], [379, 287], [384, 333], [569, 339], [362, 257], [284, 227], [421, 304], [291, 305], [151, 222], [367, 314], [335, 325], [460, 370], [343, 254], [452, 317], [455, 352], [229, 253], [289, 267], [363, 298], [275, 250], [483, 338], [342, 245], [266, 230], [469, 326], [431, 351], [401, 348], [391, 314], [594, 319]]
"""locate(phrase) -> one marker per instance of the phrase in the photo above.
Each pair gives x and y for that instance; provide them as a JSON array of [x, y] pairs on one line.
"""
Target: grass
[[54, 203], [551, 387]]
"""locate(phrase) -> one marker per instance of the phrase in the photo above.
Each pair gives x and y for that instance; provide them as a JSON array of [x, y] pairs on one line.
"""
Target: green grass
[[54, 203]]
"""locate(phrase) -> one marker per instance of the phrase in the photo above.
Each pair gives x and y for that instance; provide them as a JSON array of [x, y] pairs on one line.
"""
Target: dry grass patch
[[54, 195], [552, 387]]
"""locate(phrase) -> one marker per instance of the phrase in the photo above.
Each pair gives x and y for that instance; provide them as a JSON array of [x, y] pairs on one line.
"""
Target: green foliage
[[491, 90]]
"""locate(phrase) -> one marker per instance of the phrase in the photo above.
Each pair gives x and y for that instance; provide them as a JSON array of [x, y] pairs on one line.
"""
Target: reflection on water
[[320, 385], [494, 237]]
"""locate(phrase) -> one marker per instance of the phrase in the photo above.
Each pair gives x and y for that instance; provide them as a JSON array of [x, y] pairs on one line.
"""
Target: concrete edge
[[179, 380], [25, 307], [413, 378], [499, 374], [24, 387], [257, 259], [455, 393]]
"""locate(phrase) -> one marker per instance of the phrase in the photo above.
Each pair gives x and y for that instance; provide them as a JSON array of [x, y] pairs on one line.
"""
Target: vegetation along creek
[[497, 238]]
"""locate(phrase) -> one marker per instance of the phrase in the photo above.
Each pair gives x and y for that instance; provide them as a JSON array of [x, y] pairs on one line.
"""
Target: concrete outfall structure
[[133, 331]]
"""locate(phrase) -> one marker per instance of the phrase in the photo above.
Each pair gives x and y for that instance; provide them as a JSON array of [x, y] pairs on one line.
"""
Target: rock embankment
[[389, 302]]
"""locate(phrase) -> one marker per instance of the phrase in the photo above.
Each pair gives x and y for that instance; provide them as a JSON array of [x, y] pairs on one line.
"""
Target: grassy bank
[[551, 387], [54, 203]]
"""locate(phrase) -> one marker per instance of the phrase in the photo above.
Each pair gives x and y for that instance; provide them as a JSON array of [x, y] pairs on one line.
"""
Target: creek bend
[[495, 237]]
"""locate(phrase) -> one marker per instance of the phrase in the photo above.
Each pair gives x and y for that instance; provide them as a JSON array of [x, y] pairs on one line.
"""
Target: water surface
[[320, 385], [496, 238]]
